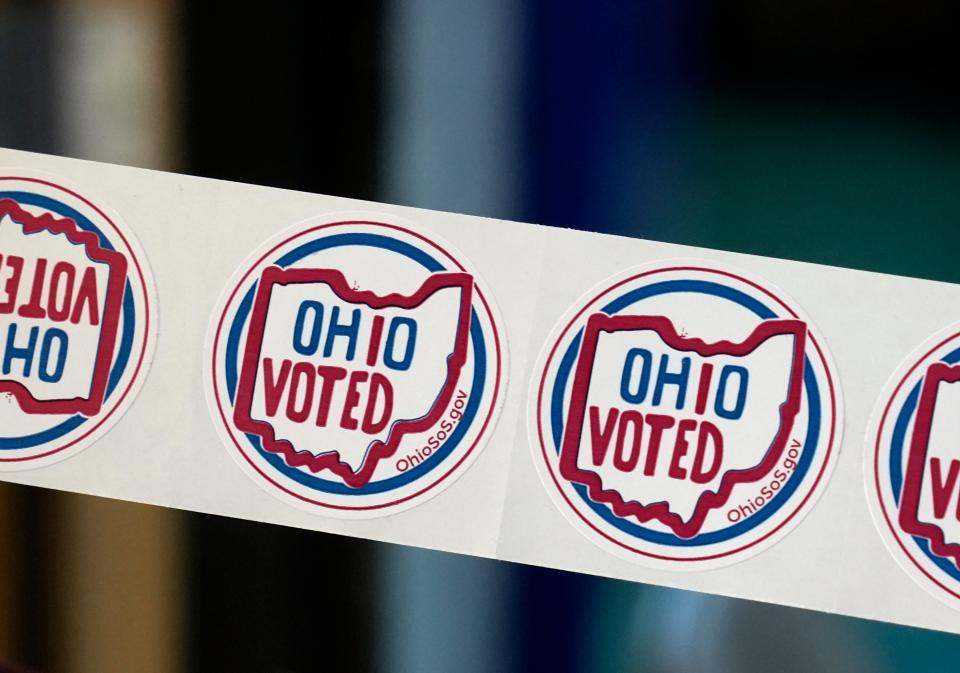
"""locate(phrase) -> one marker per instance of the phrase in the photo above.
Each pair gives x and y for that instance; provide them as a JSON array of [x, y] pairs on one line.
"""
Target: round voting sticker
[[355, 366], [77, 320], [912, 465], [684, 415]]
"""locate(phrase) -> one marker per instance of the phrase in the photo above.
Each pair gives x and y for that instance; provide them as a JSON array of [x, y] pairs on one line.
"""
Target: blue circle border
[[126, 336], [895, 464], [811, 388], [478, 343]]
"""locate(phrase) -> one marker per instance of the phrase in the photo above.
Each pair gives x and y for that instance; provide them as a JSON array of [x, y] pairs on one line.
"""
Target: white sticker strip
[[717, 371]]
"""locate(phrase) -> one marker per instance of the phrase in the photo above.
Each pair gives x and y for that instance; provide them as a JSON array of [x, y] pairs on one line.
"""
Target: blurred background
[[824, 131]]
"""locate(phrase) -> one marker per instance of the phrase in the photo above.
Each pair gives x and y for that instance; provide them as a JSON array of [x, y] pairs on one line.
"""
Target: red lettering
[[658, 423], [699, 475], [628, 418], [600, 437], [347, 421], [330, 376], [302, 375], [376, 332], [703, 390], [63, 273], [631, 426], [943, 489], [15, 264], [379, 385], [680, 447], [33, 309], [87, 297], [298, 386], [51, 298], [273, 385]]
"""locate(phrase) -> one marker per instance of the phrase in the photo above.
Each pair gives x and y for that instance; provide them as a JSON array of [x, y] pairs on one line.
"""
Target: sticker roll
[[453, 383]]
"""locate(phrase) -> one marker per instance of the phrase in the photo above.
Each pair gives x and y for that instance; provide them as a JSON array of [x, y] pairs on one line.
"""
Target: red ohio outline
[[601, 322], [913, 478], [110, 315], [378, 450]]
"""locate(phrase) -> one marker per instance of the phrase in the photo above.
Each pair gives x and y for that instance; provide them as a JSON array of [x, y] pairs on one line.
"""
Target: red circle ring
[[146, 311], [813, 488], [216, 392]]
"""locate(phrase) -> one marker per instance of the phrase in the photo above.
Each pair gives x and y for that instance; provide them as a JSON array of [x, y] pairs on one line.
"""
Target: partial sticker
[[685, 416], [912, 466], [77, 320], [355, 367]]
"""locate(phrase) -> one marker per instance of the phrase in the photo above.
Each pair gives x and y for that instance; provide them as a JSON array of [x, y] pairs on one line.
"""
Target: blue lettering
[[389, 354], [310, 346], [665, 378], [636, 396], [336, 329], [23, 353], [63, 343], [743, 377]]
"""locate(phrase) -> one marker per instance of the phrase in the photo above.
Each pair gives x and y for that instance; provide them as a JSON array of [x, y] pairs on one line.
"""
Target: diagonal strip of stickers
[[682, 414]]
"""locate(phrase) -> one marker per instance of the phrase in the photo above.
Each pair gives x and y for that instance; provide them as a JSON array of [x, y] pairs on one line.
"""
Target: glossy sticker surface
[[355, 367], [684, 415], [912, 466], [77, 320]]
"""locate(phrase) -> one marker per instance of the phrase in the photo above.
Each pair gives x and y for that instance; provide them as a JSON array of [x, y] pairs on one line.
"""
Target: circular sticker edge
[[75, 189], [574, 516], [223, 303]]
